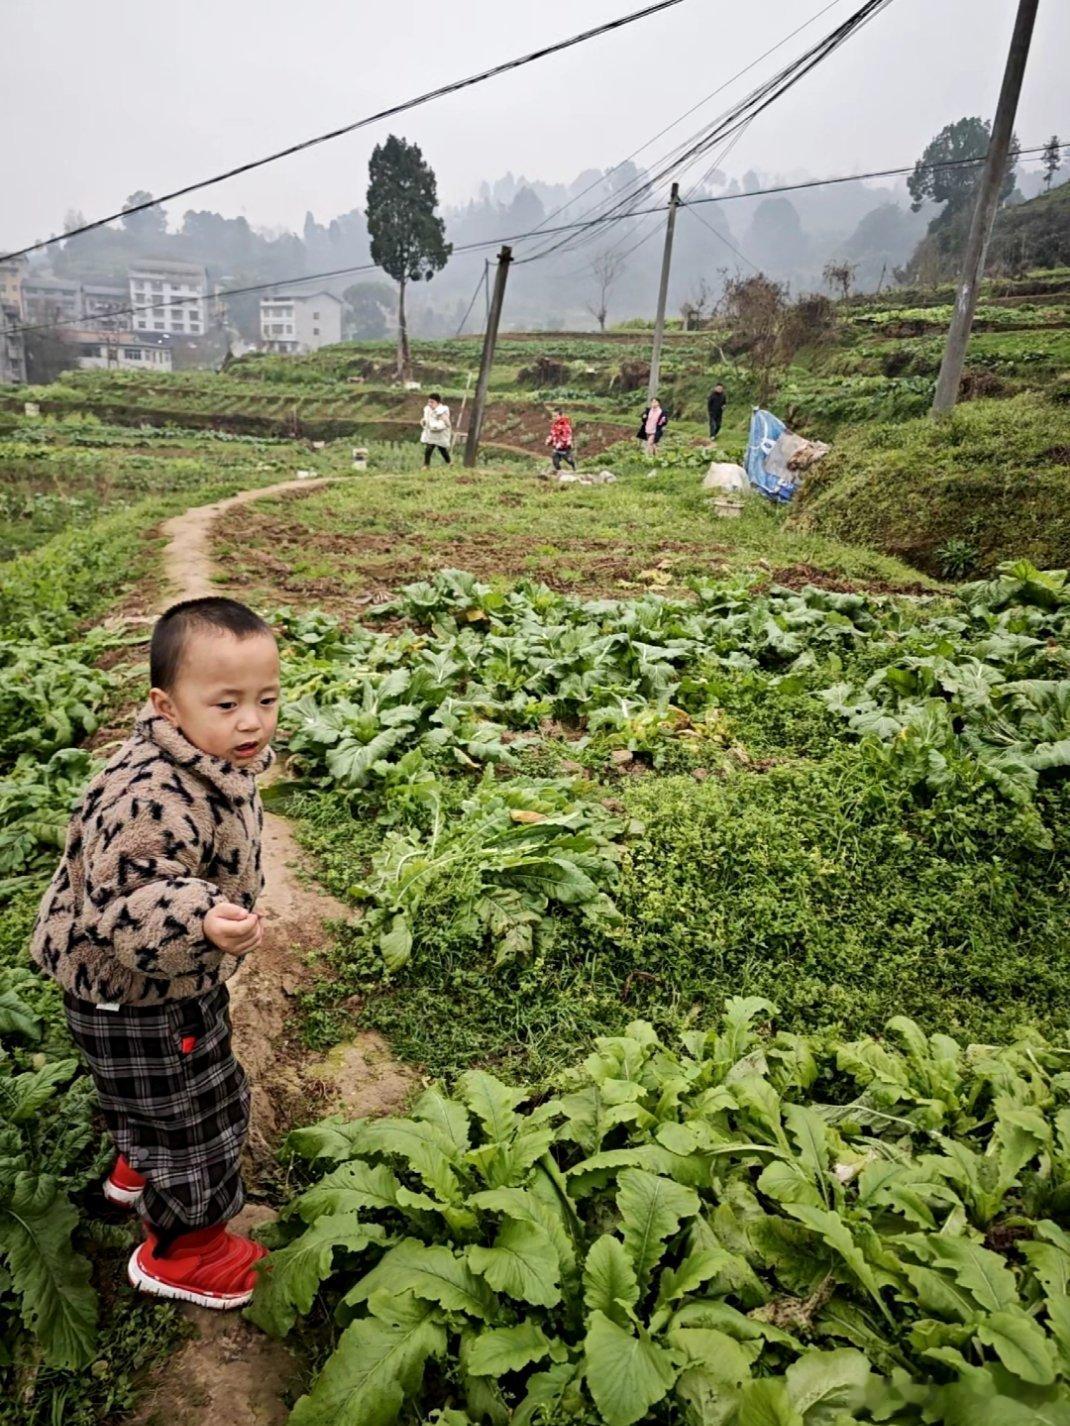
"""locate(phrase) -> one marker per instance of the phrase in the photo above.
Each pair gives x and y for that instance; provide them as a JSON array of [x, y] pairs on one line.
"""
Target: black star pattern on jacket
[[165, 833]]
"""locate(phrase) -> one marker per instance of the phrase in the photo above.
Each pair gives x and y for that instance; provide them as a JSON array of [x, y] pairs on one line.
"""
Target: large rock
[[725, 475]]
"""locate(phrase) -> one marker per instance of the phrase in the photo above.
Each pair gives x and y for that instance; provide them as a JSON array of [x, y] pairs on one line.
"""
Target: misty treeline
[[910, 232]]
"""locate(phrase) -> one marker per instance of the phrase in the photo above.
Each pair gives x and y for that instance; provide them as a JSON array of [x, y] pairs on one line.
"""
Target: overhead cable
[[388, 113]]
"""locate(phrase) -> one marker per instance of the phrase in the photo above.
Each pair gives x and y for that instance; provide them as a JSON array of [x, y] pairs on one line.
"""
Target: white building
[[300, 322], [121, 351], [107, 306], [169, 297]]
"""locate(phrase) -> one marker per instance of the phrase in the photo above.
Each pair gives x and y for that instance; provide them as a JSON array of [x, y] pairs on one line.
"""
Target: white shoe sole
[[126, 1197], [220, 1301]]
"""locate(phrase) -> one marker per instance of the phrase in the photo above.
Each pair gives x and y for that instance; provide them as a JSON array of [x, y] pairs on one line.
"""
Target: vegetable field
[[708, 880]]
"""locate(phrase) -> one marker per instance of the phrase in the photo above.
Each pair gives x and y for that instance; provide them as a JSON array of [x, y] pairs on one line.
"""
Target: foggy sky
[[99, 99]]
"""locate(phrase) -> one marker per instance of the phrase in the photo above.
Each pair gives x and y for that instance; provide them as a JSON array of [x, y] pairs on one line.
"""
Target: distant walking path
[[187, 560], [230, 1371]]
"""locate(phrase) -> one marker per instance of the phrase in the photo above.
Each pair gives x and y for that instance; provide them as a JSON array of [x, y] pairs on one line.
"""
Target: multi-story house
[[169, 297], [107, 306], [12, 345], [12, 273], [300, 322], [127, 351], [51, 299]]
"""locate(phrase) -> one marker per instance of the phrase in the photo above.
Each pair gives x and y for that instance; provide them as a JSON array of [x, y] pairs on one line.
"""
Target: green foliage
[[36, 800], [957, 558], [753, 1227], [895, 867], [50, 696], [494, 866], [984, 683], [992, 475], [45, 1133], [932, 179], [407, 239]]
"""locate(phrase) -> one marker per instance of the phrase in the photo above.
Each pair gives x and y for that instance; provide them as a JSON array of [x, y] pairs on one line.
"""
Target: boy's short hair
[[210, 614], [434, 396]]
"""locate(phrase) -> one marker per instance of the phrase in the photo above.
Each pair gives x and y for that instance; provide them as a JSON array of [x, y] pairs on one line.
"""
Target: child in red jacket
[[560, 440]]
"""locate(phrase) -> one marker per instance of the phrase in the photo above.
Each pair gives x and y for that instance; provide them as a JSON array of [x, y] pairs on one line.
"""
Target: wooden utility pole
[[490, 338], [663, 293], [984, 212]]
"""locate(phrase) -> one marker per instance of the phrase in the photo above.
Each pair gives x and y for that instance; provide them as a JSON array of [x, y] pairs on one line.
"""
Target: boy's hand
[[232, 929]]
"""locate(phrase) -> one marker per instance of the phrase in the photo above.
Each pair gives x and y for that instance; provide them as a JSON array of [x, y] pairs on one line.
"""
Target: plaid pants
[[175, 1101]]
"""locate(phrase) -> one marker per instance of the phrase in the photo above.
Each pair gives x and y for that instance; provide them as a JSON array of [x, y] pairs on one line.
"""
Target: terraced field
[[644, 832]]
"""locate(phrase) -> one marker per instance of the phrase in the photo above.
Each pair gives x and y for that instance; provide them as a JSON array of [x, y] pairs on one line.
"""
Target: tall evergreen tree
[[408, 240], [1051, 158]]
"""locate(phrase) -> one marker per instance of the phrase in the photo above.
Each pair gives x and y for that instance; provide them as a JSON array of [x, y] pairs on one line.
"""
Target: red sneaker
[[123, 1185], [210, 1267]]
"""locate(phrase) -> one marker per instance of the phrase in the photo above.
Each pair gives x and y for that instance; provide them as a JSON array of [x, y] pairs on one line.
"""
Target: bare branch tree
[[693, 309], [840, 274], [606, 268]]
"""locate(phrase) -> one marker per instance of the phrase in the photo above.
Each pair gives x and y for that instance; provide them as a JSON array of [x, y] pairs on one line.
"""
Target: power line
[[439, 93], [754, 103], [719, 236], [599, 221], [468, 310], [719, 158], [685, 115], [860, 177]]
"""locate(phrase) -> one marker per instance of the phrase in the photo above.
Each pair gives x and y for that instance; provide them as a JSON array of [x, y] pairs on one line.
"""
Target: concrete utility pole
[[984, 212], [475, 425], [663, 292]]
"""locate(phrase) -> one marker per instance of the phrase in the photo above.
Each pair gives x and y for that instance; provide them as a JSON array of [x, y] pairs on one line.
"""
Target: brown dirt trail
[[230, 1371]]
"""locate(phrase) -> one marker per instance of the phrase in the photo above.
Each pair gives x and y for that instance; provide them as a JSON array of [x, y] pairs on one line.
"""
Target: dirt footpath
[[230, 1372]]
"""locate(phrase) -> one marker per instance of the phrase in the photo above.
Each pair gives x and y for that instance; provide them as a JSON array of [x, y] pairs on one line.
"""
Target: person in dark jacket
[[715, 406], [652, 425]]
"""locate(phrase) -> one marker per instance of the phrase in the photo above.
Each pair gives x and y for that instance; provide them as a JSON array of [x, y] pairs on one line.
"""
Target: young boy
[[560, 440], [149, 914]]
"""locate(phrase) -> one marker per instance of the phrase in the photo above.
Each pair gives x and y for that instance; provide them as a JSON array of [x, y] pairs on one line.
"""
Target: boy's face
[[226, 697]]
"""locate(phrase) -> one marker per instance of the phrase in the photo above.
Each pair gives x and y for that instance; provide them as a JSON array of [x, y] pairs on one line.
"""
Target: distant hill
[[1026, 235], [1033, 234]]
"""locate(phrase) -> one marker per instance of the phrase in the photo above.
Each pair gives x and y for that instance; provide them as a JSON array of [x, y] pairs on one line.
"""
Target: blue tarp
[[765, 430]]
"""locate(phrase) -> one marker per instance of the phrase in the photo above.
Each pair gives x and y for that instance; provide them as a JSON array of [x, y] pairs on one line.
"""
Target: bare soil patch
[[372, 564], [798, 576], [187, 561]]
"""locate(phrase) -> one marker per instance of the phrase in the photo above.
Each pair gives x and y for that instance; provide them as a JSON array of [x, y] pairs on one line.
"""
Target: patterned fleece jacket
[[164, 833]]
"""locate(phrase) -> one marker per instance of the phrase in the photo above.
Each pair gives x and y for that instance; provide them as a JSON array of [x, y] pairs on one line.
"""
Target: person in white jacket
[[435, 429]]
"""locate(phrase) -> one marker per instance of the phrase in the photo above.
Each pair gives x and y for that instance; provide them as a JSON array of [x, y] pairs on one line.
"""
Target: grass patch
[[804, 882], [994, 477], [377, 532]]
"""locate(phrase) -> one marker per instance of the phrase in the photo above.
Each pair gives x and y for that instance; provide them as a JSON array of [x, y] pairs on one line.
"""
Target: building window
[[141, 324], [315, 316], [91, 351], [133, 354], [315, 331], [158, 326]]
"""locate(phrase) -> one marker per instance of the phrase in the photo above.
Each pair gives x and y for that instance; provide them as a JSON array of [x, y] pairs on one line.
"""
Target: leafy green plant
[[957, 558], [755, 1227], [50, 696], [46, 1143], [499, 862], [36, 800]]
